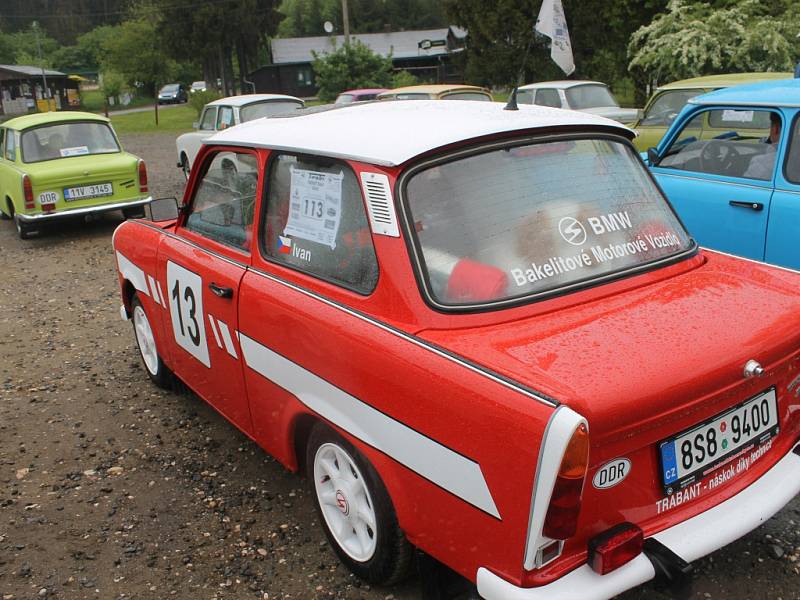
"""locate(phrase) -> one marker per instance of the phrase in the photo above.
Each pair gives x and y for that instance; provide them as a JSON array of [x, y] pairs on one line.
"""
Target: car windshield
[[410, 96], [345, 99], [266, 109], [538, 218], [582, 97], [173, 87], [666, 107], [67, 139]]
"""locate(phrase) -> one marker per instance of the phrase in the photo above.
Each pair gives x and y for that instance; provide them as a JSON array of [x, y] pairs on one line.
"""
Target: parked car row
[[482, 333]]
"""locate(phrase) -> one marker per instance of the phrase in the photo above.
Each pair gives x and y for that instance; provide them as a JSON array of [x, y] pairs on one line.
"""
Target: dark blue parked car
[[730, 165]]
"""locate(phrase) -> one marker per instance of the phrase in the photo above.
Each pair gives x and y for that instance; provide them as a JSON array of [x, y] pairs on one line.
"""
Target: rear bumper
[[86, 210], [690, 540]]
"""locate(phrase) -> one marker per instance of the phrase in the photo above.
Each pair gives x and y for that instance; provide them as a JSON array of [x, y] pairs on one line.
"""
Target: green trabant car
[[59, 164], [668, 100]]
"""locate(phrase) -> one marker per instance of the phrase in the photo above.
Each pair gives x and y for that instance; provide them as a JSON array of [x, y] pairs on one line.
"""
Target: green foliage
[[134, 53], [112, 84], [198, 100], [403, 79], [92, 43], [349, 67], [307, 17], [69, 58], [694, 39]]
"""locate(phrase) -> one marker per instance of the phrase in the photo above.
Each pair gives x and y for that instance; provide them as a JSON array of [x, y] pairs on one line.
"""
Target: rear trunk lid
[[649, 363]]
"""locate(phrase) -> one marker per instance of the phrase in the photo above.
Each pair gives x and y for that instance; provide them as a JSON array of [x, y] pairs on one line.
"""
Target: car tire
[[355, 509], [23, 229], [146, 343], [185, 166], [135, 212]]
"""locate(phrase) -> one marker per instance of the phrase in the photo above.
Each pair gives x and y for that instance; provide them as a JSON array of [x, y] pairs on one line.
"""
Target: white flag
[[552, 23]]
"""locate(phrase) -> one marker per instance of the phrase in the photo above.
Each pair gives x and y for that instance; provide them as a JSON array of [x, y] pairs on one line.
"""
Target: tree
[[134, 52], [350, 66], [693, 39], [500, 31]]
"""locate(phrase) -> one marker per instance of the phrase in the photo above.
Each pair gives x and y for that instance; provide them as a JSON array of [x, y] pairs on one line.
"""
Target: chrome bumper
[[690, 540], [86, 210]]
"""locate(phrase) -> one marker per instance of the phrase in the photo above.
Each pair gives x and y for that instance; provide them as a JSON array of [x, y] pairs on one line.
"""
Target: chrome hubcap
[[145, 340], [345, 500]]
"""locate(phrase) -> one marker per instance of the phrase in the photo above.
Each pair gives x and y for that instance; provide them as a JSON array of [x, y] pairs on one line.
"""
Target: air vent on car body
[[380, 205]]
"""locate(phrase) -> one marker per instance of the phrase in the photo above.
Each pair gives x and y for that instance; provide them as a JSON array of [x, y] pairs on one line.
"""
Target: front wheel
[[355, 509], [185, 166], [146, 342]]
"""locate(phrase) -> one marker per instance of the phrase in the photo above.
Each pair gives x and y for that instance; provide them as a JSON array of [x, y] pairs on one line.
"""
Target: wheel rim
[[145, 340], [345, 502]]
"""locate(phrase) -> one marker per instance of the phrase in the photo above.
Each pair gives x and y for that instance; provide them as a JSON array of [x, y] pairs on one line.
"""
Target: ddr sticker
[[185, 291], [611, 473], [48, 198]]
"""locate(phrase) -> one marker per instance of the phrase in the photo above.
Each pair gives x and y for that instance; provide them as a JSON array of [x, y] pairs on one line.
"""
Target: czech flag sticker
[[284, 245]]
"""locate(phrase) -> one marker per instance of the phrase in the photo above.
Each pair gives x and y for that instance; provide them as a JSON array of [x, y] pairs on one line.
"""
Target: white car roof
[[562, 85], [391, 133], [249, 98]]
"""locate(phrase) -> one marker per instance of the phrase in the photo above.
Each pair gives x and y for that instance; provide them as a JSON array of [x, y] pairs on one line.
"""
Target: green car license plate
[[98, 190]]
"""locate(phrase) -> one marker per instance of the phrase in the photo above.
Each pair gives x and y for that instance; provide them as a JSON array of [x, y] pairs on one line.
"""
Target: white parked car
[[586, 96], [227, 112]]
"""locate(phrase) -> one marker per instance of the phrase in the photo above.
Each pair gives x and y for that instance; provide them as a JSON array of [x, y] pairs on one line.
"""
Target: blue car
[[730, 165]]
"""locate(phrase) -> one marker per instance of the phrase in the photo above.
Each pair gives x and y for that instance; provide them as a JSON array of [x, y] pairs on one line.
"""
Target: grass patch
[[178, 119], [92, 101]]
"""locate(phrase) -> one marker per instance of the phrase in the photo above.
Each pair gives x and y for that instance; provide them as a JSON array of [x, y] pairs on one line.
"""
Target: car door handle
[[222, 292], [757, 206]]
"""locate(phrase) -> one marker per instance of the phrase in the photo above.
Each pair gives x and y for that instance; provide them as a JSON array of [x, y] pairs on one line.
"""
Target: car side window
[[547, 97], [10, 146], [666, 107], [2, 142], [209, 116], [792, 168], [728, 142], [525, 96], [224, 117], [224, 200], [316, 222]]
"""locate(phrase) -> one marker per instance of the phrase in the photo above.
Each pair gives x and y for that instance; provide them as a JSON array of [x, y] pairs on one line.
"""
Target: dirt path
[[112, 489]]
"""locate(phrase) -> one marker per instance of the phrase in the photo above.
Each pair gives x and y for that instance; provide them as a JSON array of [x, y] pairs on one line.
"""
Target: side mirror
[[652, 157], [163, 209]]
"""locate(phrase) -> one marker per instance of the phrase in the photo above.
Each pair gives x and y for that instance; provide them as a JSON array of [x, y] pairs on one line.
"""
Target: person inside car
[[762, 165]]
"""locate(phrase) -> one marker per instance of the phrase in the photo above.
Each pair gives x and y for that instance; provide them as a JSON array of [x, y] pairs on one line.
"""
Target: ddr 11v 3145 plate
[[88, 191], [692, 454]]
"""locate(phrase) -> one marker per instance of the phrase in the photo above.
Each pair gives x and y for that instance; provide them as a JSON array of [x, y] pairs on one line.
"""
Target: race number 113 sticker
[[185, 290]]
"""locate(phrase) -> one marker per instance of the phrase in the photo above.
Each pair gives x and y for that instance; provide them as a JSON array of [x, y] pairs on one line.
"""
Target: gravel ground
[[111, 488]]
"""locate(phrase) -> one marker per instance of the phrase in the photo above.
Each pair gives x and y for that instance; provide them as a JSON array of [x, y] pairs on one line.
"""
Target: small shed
[[425, 53], [22, 90]]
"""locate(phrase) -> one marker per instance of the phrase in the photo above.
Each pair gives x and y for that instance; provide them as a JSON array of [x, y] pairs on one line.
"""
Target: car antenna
[[512, 99]]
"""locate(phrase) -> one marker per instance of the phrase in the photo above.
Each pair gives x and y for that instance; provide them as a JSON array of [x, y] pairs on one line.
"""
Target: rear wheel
[[146, 342], [6, 211], [355, 509], [23, 229]]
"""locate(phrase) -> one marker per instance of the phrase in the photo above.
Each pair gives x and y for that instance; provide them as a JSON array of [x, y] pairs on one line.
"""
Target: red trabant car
[[481, 332]]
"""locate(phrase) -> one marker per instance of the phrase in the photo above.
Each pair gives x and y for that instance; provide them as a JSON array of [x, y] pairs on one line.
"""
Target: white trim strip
[[444, 467], [214, 330], [226, 338], [153, 289], [161, 294], [132, 273]]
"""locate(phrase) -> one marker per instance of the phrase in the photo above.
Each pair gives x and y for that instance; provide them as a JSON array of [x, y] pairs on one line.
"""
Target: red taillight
[[142, 177], [561, 521], [27, 190], [615, 547]]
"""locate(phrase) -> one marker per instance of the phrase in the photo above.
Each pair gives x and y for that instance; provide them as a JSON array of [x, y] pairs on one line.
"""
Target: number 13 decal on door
[[186, 310]]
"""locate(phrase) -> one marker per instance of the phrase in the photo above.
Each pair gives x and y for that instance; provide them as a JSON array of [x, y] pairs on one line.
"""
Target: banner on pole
[[552, 23]]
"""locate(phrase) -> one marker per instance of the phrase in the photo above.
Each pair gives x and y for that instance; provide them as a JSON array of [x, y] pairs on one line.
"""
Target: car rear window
[[266, 109], [67, 139], [581, 97], [535, 219], [467, 96]]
